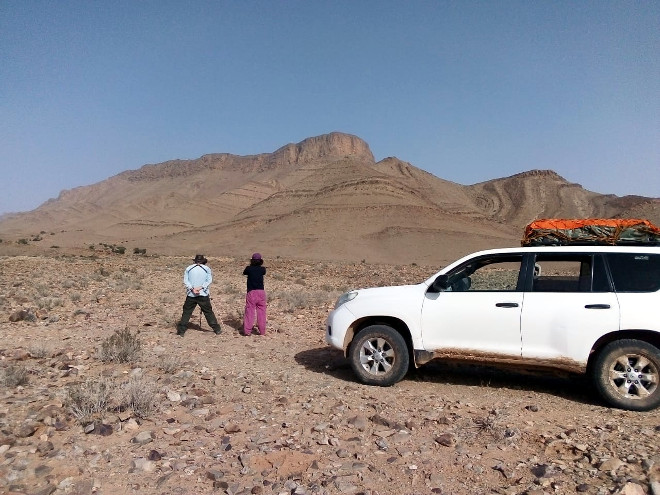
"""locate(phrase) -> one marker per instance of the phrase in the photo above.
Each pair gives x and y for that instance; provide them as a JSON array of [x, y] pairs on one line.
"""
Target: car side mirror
[[441, 283]]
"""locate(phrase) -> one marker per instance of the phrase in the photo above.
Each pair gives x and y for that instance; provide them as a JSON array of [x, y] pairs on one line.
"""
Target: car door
[[478, 311], [569, 304]]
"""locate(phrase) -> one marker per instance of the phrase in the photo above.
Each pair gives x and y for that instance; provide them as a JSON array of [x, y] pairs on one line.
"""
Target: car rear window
[[635, 272]]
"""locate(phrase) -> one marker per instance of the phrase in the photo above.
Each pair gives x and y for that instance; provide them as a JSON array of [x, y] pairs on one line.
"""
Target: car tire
[[627, 374], [379, 356]]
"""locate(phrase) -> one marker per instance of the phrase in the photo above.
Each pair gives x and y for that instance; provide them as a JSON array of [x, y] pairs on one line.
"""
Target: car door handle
[[506, 305], [597, 306]]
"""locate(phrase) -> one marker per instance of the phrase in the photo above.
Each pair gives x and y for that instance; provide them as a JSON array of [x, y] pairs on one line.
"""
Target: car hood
[[387, 300]]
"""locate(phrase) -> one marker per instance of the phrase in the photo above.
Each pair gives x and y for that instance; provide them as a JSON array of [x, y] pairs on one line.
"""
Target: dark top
[[255, 277]]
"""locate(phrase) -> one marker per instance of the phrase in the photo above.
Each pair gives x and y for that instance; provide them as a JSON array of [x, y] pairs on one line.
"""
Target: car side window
[[571, 273], [492, 274], [601, 282], [635, 272]]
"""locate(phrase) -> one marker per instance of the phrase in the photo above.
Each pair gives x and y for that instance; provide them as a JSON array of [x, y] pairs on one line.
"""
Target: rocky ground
[[279, 414]]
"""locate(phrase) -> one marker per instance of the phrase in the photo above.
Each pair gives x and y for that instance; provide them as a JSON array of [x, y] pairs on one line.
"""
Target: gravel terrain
[[278, 414]]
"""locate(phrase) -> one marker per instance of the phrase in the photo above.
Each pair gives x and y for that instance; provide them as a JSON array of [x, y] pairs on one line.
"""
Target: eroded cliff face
[[325, 148], [335, 145]]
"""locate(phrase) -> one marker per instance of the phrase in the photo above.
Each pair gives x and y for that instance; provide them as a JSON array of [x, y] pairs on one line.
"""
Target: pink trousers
[[255, 302]]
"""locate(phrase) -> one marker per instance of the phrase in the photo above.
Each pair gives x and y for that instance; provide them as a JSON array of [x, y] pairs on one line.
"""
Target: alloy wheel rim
[[634, 376], [377, 356]]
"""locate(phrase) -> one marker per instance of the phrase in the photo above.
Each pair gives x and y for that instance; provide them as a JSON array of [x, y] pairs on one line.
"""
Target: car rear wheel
[[379, 356], [627, 374]]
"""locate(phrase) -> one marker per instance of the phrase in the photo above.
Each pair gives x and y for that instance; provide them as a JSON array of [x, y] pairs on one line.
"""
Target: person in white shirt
[[197, 278]]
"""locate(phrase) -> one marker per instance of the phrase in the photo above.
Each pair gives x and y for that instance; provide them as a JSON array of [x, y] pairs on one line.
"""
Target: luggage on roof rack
[[590, 231]]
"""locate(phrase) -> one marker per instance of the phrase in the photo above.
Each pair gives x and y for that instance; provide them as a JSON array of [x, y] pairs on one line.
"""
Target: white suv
[[582, 309]]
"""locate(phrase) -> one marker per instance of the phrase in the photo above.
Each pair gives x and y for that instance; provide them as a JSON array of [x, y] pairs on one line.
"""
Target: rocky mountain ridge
[[323, 198]]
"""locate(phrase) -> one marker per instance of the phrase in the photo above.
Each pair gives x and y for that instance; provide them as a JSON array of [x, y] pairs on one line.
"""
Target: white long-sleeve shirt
[[197, 276]]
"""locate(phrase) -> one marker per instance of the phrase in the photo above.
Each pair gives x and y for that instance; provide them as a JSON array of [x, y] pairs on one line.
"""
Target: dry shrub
[[49, 303], [291, 301], [40, 350], [170, 363], [230, 289], [492, 426], [89, 401], [140, 395], [14, 375], [123, 281], [121, 347]]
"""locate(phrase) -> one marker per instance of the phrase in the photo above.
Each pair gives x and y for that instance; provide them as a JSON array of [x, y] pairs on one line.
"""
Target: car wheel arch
[[648, 336], [395, 323]]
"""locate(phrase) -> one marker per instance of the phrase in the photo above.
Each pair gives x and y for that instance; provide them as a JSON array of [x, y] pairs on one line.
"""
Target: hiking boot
[[217, 330]]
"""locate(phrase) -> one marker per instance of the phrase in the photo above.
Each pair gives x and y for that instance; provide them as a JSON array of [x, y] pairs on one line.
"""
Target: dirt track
[[281, 413]]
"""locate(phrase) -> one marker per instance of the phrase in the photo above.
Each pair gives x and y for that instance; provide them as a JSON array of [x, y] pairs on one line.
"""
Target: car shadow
[[330, 361]]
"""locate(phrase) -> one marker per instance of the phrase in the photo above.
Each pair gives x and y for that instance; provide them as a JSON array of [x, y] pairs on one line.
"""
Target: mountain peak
[[550, 174], [333, 145]]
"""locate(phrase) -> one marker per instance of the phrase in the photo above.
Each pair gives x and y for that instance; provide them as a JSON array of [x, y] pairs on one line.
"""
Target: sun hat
[[200, 259], [256, 256]]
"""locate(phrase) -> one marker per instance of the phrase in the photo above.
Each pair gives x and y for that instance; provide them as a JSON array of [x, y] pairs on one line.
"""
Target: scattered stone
[[25, 430], [103, 430], [154, 455], [632, 489], [18, 316], [142, 464], [143, 438], [232, 428], [540, 470], [446, 439], [173, 396], [214, 474], [358, 422], [343, 453], [611, 464], [45, 447]]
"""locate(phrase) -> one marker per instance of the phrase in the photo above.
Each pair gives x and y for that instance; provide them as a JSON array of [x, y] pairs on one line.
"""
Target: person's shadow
[[229, 323]]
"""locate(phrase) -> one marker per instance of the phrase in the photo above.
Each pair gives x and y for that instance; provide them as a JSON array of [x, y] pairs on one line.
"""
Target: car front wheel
[[627, 374], [379, 356]]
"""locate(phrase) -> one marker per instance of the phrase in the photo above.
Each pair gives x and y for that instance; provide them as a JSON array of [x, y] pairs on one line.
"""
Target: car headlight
[[344, 298]]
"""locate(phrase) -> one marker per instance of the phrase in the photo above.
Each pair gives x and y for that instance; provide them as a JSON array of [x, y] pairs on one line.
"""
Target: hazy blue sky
[[467, 90]]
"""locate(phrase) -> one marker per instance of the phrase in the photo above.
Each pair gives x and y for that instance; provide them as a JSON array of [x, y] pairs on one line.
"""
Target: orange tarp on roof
[[590, 230], [569, 224]]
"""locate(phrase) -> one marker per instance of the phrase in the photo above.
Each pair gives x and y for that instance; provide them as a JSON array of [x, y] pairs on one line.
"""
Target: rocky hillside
[[322, 198]]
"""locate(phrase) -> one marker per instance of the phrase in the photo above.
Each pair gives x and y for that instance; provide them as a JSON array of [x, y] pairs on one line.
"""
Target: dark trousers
[[204, 302]]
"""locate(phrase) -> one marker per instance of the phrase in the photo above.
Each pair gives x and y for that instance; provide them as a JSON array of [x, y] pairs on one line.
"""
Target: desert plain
[[278, 414]]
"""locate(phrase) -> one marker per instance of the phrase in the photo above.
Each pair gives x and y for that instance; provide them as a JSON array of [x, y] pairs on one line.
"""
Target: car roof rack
[[591, 232]]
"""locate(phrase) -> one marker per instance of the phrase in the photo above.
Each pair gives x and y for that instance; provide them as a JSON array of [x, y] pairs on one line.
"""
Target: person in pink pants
[[255, 299]]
